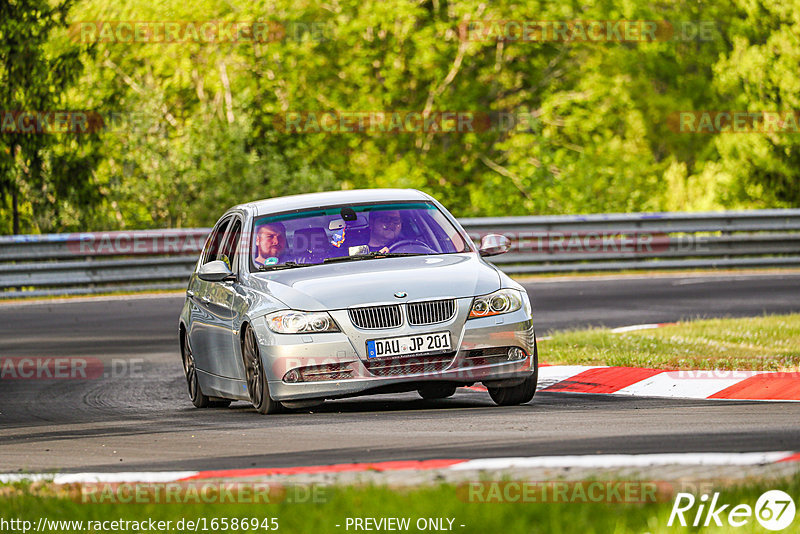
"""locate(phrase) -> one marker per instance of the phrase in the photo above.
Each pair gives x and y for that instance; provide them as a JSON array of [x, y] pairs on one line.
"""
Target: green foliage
[[49, 175], [759, 73], [197, 124]]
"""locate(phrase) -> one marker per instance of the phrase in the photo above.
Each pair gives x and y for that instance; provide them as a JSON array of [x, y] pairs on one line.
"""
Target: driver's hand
[[384, 250]]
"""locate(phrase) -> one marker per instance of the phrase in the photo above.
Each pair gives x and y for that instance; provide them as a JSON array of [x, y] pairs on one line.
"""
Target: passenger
[[385, 228], [270, 244]]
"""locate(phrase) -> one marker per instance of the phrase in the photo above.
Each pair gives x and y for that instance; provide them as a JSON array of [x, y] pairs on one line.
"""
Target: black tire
[[190, 370], [436, 391], [257, 385], [521, 393]]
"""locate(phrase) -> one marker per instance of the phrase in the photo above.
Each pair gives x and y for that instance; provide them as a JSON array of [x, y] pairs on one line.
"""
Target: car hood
[[375, 281]]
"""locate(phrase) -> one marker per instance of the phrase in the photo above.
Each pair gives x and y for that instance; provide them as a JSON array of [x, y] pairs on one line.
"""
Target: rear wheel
[[189, 369], [521, 393], [256, 379], [436, 391]]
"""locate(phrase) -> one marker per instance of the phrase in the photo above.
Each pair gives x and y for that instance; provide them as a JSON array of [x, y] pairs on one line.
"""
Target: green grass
[[442, 501], [769, 343]]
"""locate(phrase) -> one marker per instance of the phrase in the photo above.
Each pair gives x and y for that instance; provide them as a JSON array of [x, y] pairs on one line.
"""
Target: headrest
[[310, 239]]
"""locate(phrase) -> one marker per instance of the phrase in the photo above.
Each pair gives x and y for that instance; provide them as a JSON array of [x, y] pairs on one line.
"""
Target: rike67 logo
[[774, 510]]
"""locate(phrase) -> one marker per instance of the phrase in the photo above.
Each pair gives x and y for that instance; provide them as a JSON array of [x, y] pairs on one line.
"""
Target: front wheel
[[521, 393], [256, 379]]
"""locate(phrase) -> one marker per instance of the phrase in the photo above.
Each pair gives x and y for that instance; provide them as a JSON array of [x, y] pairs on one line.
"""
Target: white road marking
[[87, 478], [575, 461], [626, 460], [686, 384], [634, 327]]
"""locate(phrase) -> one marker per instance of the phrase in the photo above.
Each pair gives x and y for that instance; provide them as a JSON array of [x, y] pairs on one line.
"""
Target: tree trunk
[[15, 210]]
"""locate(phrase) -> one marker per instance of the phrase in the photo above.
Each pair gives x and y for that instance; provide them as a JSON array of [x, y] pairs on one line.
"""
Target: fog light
[[292, 376], [516, 353]]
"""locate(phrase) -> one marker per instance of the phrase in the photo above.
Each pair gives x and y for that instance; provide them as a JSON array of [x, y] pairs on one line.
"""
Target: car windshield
[[349, 233]]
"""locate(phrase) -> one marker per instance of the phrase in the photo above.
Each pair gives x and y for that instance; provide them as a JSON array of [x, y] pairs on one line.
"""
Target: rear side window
[[232, 244], [214, 243]]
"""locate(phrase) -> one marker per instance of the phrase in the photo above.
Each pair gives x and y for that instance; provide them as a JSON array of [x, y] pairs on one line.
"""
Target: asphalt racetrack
[[138, 415]]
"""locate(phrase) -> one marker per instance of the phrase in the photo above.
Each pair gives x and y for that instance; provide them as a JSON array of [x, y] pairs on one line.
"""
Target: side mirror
[[494, 244], [215, 271]]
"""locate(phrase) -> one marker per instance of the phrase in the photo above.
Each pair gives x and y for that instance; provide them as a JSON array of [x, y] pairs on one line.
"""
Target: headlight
[[503, 301], [297, 322]]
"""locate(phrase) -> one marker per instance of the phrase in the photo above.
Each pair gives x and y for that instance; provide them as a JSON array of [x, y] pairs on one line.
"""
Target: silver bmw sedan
[[299, 299]]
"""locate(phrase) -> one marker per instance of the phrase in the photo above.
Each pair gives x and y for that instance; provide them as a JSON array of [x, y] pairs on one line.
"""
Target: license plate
[[406, 345]]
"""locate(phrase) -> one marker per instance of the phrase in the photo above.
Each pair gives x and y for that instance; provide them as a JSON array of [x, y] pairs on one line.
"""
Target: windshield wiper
[[286, 265], [370, 256]]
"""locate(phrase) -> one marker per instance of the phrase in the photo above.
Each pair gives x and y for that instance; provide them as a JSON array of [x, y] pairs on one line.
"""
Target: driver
[[385, 227], [270, 244]]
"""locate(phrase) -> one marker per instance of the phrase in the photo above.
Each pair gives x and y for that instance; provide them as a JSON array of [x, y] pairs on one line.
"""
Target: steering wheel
[[413, 243]]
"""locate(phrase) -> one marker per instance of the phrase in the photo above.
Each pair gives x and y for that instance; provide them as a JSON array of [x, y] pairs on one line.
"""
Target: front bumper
[[282, 353]]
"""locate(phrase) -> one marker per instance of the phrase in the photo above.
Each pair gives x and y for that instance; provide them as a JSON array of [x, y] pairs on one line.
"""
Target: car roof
[[331, 198]]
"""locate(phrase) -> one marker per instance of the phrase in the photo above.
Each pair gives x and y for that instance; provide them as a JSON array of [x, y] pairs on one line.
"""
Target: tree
[[48, 169], [594, 130], [760, 75]]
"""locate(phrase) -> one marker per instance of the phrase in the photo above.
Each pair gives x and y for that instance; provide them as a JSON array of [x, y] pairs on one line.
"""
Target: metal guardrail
[[99, 262]]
